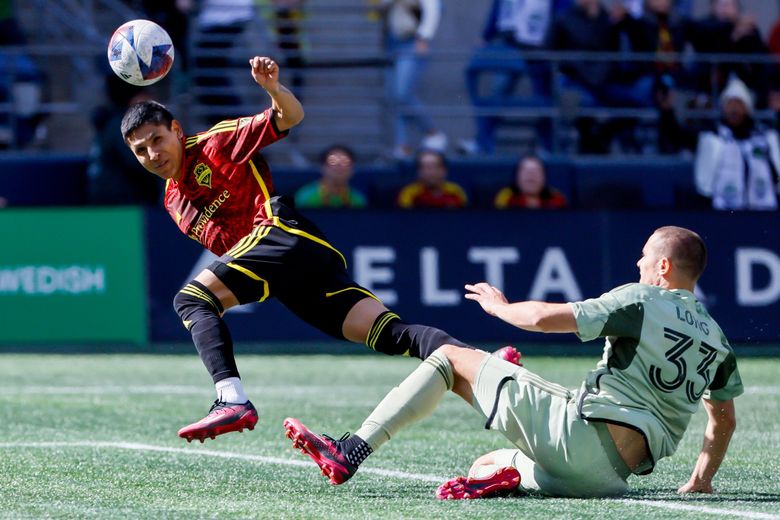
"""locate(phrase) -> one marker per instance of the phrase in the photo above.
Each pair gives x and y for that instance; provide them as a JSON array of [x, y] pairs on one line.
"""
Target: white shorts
[[558, 453]]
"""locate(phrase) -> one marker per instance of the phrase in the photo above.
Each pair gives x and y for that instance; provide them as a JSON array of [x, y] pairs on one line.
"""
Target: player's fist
[[265, 72]]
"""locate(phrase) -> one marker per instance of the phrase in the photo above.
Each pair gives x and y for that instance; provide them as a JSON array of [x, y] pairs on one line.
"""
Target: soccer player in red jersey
[[219, 192]]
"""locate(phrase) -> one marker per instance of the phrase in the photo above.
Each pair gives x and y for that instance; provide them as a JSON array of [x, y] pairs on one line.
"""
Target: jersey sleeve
[[727, 383], [239, 139], [407, 195], [617, 313]]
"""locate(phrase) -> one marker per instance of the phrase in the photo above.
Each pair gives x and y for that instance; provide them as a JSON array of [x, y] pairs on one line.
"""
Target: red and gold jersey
[[418, 195], [225, 181], [511, 197]]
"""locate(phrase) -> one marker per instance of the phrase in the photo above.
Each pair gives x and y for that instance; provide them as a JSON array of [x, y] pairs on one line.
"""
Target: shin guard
[[200, 312]]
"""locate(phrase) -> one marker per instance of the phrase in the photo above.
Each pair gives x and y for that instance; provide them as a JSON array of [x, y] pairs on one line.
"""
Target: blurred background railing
[[334, 57]]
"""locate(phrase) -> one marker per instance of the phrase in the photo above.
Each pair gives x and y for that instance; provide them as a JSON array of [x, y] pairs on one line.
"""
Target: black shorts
[[291, 260]]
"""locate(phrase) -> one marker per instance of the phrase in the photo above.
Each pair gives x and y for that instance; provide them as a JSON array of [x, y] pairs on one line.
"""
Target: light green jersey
[[663, 352]]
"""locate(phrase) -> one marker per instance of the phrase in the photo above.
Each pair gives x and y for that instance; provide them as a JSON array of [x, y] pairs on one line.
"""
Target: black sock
[[200, 312], [390, 335], [356, 450], [424, 340]]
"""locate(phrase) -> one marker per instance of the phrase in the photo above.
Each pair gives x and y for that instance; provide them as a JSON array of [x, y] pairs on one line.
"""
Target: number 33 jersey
[[663, 353]]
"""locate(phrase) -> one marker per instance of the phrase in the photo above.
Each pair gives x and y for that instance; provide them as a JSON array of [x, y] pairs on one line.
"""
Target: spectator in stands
[[285, 21], [587, 26], [431, 189], [530, 189], [21, 85], [173, 15], [728, 30], [333, 189], [657, 30], [286, 25], [114, 174], [512, 27], [737, 162], [221, 23], [737, 165], [411, 25], [774, 38]]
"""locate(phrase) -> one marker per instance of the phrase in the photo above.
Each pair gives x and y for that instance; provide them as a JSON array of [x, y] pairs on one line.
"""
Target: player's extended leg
[[448, 368], [370, 322], [200, 305]]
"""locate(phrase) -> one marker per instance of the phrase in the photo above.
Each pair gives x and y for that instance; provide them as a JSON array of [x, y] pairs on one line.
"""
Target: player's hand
[[696, 486], [487, 296], [265, 71]]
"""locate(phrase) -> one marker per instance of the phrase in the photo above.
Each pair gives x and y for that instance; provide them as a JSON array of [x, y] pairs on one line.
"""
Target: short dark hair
[[685, 249], [145, 112], [430, 151], [346, 150]]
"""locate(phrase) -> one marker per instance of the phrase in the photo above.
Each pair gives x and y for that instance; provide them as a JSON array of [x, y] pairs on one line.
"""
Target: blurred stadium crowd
[[421, 103]]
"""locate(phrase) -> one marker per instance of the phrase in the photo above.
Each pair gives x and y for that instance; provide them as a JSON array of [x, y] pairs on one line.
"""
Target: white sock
[[230, 390], [415, 398]]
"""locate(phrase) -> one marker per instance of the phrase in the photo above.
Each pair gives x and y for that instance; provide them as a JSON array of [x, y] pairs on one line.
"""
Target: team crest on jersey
[[244, 121], [260, 117], [203, 175]]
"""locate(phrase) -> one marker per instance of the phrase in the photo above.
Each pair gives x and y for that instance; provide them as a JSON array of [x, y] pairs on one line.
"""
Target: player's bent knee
[[450, 351], [194, 299], [383, 335]]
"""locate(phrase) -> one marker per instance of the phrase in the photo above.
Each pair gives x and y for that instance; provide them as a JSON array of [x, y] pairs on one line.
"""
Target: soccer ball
[[140, 52]]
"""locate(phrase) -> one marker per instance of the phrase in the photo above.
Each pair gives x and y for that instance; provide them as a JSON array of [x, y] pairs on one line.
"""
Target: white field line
[[208, 453], [172, 389], [702, 509], [206, 389], [373, 471], [281, 389]]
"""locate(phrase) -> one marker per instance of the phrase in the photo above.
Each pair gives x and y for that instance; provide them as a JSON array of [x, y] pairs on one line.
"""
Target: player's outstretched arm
[[720, 426], [289, 111], [530, 315]]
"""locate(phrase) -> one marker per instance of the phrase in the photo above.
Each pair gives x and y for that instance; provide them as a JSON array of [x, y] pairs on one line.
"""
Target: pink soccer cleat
[[509, 353], [323, 450], [503, 481], [222, 418]]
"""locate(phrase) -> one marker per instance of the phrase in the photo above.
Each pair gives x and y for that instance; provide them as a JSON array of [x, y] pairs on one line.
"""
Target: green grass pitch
[[94, 436]]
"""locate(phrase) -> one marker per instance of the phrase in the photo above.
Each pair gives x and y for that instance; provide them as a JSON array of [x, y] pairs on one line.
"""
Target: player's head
[[726, 10], [673, 257], [337, 163], [659, 6], [736, 103], [431, 167], [530, 176], [587, 3], [154, 137]]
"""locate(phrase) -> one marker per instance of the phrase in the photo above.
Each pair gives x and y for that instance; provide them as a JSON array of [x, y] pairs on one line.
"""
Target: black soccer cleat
[[323, 450]]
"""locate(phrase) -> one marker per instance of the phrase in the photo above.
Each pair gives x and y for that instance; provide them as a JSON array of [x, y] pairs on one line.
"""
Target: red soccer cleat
[[323, 450], [509, 353], [222, 418], [502, 481]]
